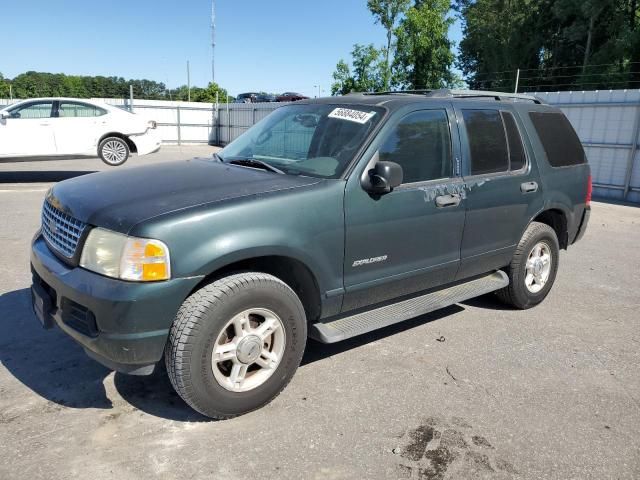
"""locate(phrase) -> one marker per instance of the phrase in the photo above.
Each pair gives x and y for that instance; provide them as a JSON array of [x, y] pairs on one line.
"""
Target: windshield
[[310, 140]]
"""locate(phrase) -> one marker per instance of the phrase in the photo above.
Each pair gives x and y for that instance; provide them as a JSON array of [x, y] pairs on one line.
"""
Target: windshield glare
[[310, 140]]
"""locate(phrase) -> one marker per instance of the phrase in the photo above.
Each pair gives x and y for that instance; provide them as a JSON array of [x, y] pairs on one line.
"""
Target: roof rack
[[446, 92], [453, 93]]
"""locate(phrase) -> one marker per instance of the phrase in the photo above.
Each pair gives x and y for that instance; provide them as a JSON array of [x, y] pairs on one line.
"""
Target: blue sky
[[278, 45]]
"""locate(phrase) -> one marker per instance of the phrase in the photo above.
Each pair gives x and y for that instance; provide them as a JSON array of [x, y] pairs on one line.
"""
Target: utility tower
[[213, 40]]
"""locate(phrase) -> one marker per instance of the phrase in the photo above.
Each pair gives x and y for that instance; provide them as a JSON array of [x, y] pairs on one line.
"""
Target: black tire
[[201, 319], [516, 293], [113, 151]]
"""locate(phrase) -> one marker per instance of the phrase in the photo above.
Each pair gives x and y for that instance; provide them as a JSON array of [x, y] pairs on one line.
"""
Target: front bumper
[[123, 325]]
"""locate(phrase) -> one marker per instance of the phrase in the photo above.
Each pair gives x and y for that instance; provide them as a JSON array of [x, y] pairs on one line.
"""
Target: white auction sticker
[[352, 115]]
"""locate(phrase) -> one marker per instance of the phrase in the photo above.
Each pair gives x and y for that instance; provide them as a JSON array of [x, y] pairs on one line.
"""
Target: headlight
[[128, 258]]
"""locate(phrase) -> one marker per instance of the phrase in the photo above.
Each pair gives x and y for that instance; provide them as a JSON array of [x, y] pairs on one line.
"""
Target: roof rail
[[398, 92], [453, 93], [446, 92]]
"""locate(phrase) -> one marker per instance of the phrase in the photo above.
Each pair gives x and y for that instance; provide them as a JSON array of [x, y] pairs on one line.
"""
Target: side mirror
[[383, 178], [4, 115]]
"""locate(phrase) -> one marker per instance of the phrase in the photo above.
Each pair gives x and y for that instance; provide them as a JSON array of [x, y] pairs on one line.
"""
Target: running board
[[364, 322]]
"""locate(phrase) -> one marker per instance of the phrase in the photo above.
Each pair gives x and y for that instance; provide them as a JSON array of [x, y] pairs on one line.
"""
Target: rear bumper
[[147, 143], [123, 325], [583, 223]]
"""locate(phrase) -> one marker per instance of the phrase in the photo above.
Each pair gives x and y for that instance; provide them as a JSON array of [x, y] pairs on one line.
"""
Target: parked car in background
[[68, 126], [250, 97], [266, 98], [290, 97]]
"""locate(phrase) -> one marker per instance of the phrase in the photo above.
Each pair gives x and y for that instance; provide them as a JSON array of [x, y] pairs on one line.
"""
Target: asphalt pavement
[[476, 390]]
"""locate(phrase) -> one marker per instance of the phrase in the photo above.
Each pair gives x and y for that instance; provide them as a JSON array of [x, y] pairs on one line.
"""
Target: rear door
[[502, 187], [77, 127], [407, 240], [28, 131]]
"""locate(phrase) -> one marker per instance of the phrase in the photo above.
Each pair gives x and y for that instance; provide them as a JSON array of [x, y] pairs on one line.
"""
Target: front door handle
[[452, 200], [529, 187]]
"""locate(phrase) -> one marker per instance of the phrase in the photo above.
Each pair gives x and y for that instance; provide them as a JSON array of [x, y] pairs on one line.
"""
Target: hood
[[120, 199]]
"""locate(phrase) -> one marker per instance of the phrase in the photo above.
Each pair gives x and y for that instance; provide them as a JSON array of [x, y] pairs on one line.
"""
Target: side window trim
[[454, 173], [465, 171], [525, 167], [24, 106]]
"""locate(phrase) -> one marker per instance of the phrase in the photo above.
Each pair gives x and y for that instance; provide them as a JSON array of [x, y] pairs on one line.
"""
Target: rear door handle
[[529, 187], [452, 200]]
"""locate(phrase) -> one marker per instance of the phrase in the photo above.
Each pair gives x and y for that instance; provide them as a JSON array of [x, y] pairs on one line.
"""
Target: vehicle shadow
[[488, 302], [41, 176], [53, 366], [318, 351]]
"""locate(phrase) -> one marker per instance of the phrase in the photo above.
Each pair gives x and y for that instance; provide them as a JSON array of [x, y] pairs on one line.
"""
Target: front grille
[[61, 231]]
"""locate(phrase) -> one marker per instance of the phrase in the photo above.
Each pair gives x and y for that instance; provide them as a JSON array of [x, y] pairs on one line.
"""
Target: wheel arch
[[556, 218], [128, 141], [295, 273]]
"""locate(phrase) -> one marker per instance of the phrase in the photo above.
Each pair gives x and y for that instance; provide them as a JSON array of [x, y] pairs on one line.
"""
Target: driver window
[[33, 110], [421, 145]]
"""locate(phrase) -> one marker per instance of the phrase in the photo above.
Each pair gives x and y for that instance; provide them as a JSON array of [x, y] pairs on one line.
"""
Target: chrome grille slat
[[65, 236]]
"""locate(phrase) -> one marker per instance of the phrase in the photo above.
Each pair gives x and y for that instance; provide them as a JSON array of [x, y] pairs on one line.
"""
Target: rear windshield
[[310, 140], [559, 139]]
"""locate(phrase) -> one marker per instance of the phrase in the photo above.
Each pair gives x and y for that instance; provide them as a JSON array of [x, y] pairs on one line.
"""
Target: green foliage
[[387, 13], [423, 58], [4, 87], [416, 39], [200, 94], [367, 75], [38, 84], [558, 44]]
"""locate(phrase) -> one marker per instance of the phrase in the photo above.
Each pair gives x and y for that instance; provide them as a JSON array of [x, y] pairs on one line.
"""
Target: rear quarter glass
[[559, 139]]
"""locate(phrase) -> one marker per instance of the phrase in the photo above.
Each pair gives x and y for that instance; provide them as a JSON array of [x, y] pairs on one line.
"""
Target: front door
[[408, 240], [28, 130]]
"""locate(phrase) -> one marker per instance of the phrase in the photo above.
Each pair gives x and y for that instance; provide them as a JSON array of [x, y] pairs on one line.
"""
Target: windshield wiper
[[253, 163]]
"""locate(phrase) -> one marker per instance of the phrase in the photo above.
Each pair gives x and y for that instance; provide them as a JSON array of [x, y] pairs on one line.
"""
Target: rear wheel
[[533, 269], [235, 344], [113, 151]]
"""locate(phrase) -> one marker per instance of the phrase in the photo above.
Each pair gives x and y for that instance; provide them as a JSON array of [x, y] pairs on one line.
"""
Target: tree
[[4, 87], [343, 81], [366, 75], [557, 44], [387, 13], [423, 57]]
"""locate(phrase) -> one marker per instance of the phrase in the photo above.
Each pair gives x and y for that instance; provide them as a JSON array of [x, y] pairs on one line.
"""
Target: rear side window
[[421, 145], [516, 149], [487, 141], [559, 139], [74, 109]]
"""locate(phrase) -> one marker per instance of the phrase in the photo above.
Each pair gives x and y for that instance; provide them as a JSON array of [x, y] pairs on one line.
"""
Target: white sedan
[[67, 126]]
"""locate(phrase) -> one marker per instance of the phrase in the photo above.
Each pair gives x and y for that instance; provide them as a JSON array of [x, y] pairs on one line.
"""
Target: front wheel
[[533, 268], [235, 344], [113, 151]]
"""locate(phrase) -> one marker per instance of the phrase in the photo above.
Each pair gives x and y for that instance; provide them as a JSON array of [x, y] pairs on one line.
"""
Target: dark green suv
[[328, 219]]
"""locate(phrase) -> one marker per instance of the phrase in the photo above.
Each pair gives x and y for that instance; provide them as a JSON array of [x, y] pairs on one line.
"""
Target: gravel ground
[[473, 391]]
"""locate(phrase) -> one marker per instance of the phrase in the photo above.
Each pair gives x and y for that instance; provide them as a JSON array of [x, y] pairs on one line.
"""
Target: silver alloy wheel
[[248, 350], [114, 152], [538, 267]]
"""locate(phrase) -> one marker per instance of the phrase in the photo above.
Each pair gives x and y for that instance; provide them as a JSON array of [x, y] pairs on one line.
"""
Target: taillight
[[589, 190]]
